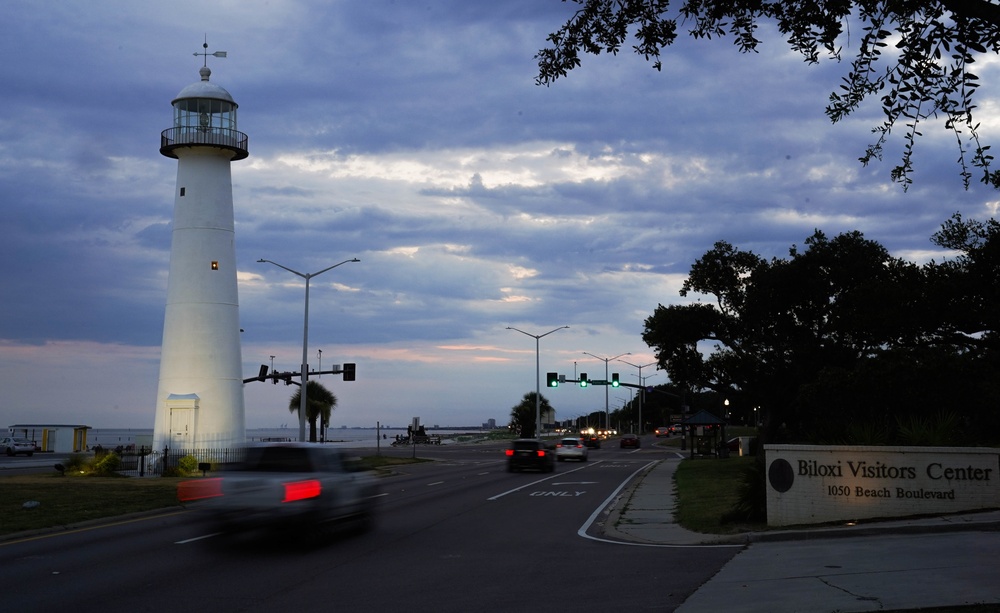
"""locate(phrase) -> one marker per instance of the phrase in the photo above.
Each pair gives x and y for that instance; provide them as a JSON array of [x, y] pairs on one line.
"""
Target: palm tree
[[319, 403], [522, 416]]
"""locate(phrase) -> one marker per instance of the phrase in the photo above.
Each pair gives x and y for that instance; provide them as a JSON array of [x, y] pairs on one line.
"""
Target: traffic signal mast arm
[[348, 371]]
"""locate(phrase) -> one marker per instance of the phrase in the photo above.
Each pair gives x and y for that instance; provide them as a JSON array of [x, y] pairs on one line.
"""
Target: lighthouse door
[[181, 428]]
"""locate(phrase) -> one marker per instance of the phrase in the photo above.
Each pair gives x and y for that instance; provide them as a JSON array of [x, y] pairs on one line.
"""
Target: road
[[457, 534]]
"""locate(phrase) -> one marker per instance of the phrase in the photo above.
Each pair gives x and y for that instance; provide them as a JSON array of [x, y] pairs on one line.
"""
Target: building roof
[[22, 426], [205, 89], [703, 418]]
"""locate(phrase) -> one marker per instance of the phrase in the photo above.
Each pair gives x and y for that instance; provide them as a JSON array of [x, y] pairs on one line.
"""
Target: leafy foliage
[[842, 342], [915, 56], [107, 465], [522, 415], [319, 404]]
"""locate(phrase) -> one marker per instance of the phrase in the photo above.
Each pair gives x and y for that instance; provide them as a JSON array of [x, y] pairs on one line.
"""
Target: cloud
[[411, 136]]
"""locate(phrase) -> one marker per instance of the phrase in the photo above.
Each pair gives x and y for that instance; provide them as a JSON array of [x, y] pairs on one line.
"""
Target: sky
[[412, 135]]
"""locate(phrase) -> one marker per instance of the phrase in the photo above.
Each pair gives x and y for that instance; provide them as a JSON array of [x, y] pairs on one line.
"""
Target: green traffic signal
[[583, 379], [552, 379], [614, 379]]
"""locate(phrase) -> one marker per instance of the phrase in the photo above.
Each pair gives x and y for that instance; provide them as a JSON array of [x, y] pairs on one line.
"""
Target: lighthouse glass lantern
[[204, 114]]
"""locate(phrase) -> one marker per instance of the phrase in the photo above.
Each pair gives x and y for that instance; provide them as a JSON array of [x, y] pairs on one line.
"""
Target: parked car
[[663, 431], [286, 485], [676, 429], [530, 453], [571, 449], [630, 440], [13, 445], [592, 441]]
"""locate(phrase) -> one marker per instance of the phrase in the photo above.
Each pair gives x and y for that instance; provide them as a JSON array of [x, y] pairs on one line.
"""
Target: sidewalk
[[878, 566]]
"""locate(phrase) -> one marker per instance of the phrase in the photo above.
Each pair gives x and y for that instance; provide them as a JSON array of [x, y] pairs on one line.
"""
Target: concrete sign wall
[[808, 484]]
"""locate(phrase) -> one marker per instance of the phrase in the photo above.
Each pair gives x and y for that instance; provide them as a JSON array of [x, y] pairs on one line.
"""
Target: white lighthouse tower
[[199, 403]]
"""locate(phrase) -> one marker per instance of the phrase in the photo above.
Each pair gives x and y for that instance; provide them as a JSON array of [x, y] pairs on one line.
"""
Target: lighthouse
[[199, 401]]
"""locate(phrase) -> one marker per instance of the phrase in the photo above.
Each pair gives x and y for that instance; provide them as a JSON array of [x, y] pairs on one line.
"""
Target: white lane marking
[[197, 538], [435, 483], [539, 481]]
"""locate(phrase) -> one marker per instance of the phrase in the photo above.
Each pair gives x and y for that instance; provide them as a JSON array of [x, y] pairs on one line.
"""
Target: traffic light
[[583, 379], [262, 374], [349, 370], [614, 379], [552, 379]]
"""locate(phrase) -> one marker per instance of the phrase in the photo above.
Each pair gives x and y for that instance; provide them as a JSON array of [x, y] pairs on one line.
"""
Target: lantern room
[[204, 115]]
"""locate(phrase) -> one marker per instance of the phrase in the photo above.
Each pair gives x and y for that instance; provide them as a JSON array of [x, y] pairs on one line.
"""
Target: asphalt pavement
[[875, 566]]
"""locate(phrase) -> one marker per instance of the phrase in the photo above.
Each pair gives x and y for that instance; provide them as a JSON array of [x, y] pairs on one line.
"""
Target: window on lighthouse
[[205, 114]]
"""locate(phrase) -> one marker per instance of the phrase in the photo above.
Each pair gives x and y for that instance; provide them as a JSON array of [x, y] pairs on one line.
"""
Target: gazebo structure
[[704, 433]]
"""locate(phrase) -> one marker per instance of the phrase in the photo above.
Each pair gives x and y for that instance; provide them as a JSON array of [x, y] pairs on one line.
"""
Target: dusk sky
[[412, 135]]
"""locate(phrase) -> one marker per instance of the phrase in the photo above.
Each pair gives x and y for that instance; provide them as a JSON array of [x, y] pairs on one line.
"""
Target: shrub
[[188, 465], [185, 467], [108, 464], [752, 492]]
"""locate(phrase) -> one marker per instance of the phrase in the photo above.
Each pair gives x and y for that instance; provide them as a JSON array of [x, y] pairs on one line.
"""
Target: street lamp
[[607, 413], [304, 379], [538, 384], [642, 392]]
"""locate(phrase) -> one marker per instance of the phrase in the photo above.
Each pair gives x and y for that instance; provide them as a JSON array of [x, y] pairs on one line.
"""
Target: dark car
[[592, 441], [630, 440], [532, 454]]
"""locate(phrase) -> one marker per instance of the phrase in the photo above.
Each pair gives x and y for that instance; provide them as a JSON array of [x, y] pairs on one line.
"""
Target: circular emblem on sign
[[780, 475]]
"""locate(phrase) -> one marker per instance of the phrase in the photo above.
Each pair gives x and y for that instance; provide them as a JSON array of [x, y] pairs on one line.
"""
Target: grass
[[73, 499], [706, 493]]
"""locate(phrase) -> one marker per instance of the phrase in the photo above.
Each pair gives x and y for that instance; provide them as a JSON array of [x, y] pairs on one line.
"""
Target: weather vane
[[205, 53]]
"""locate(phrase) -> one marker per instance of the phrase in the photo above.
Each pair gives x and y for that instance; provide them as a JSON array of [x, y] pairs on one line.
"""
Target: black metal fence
[[145, 462]]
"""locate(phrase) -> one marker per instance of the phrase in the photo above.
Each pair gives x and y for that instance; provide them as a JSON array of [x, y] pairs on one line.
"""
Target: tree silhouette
[[319, 403]]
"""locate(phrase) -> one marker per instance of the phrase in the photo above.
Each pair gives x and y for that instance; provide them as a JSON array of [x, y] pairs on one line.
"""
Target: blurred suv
[[530, 453], [571, 449]]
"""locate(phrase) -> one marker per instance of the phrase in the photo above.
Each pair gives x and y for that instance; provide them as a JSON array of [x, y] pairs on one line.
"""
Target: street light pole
[[304, 378], [642, 392], [538, 382], [607, 413]]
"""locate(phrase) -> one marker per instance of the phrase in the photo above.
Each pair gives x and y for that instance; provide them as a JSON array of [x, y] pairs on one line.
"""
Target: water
[[343, 437]]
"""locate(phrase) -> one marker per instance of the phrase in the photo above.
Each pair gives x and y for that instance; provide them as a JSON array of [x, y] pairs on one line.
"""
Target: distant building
[[491, 424], [60, 438]]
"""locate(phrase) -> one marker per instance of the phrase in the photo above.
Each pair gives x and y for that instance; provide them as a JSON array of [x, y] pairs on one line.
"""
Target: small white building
[[59, 438]]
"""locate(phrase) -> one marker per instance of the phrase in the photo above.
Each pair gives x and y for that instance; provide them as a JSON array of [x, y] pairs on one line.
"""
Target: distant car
[[286, 485], [592, 441], [630, 440], [663, 431], [530, 453], [13, 445], [676, 429], [571, 449]]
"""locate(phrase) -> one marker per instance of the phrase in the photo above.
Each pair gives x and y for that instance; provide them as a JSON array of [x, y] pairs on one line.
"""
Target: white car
[[571, 449], [13, 445]]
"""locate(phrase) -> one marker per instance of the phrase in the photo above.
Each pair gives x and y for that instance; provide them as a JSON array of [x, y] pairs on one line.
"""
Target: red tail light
[[199, 489], [509, 452], [541, 453], [300, 490]]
